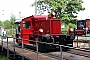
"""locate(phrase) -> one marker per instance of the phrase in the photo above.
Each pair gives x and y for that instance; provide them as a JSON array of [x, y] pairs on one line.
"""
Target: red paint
[[55, 27], [70, 31], [79, 31], [88, 24], [34, 23]]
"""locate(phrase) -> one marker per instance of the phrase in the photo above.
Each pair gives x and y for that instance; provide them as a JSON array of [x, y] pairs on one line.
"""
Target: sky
[[86, 13], [14, 7], [23, 6]]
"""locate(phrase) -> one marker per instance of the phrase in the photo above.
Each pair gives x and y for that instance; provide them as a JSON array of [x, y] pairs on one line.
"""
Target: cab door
[[26, 30]]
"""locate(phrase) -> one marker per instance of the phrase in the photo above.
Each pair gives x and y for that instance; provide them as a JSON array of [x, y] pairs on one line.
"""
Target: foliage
[[12, 19], [73, 21], [7, 24], [65, 30], [42, 6], [3, 58], [64, 9], [72, 25], [10, 32], [1, 23]]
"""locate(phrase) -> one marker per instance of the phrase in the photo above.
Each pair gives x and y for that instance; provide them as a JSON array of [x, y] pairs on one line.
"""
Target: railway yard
[[50, 32], [10, 48]]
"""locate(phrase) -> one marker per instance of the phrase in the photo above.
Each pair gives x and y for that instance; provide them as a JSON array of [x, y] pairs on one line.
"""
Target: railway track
[[72, 53], [46, 54], [18, 48], [56, 55], [79, 52]]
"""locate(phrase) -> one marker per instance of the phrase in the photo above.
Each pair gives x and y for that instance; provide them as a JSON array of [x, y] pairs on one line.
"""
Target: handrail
[[37, 42]]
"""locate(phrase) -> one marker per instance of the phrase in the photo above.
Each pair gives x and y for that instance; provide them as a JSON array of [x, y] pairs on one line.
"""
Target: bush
[[9, 32], [3, 58], [72, 25], [65, 30]]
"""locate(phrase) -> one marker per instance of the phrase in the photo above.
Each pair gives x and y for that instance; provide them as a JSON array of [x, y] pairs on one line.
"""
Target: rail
[[8, 55], [23, 47], [61, 57]]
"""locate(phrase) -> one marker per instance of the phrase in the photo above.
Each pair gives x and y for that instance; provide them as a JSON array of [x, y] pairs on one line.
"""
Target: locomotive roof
[[40, 16], [83, 19], [36, 17], [87, 19], [17, 21]]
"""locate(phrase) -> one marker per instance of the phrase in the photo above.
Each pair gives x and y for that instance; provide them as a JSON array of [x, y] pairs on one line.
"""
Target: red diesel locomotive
[[46, 29]]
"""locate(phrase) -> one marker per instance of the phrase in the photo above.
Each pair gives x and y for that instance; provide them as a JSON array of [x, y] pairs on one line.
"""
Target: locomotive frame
[[44, 29]]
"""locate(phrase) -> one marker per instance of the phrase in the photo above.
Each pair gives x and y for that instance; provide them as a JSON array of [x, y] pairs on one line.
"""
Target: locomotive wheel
[[42, 47], [46, 47]]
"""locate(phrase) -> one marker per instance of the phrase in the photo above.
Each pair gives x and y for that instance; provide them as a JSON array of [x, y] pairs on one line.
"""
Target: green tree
[[64, 9], [1, 23], [7, 24], [12, 19]]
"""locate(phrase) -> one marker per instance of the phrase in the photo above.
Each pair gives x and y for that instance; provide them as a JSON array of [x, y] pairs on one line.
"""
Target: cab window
[[26, 24]]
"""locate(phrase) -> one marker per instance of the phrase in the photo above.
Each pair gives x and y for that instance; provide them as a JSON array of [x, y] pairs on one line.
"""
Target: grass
[[3, 58]]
